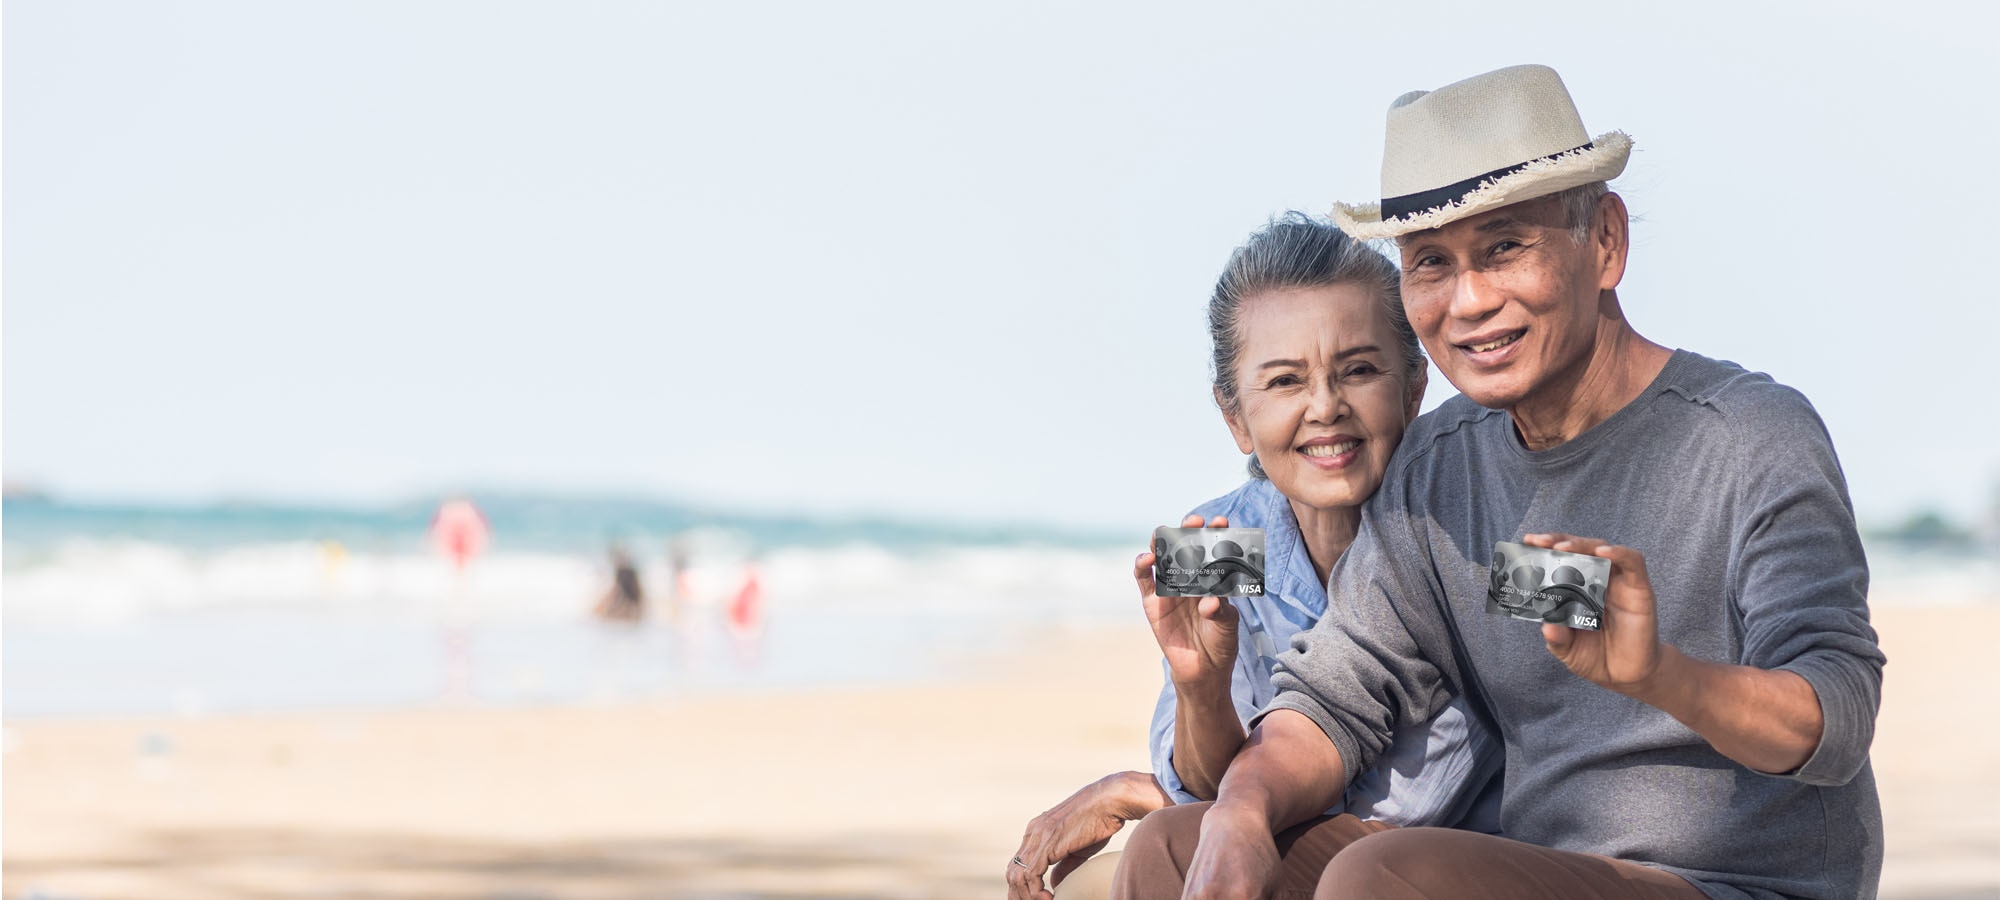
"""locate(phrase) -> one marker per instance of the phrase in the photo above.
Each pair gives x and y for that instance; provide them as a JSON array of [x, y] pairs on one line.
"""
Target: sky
[[944, 260]]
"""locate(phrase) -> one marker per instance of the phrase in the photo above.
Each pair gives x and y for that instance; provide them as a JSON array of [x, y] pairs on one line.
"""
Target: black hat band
[[1424, 201]]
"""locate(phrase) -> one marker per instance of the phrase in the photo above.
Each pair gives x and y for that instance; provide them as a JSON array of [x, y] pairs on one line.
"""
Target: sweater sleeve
[[1801, 581], [1358, 673]]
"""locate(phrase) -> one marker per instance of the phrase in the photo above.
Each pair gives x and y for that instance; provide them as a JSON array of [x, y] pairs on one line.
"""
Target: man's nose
[[1474, 296]]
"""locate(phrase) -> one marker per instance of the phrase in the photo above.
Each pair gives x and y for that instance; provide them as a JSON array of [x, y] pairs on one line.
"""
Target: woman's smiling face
[[1321, 395]]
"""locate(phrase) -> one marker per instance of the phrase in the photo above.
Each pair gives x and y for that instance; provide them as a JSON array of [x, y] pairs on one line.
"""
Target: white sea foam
[[103, 626], [86, 580]]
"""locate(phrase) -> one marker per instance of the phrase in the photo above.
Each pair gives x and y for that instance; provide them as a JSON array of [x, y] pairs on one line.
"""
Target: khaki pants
[[1345, 858]]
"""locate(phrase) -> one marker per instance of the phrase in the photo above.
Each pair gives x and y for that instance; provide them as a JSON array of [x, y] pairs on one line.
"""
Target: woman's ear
[[1234, 420]]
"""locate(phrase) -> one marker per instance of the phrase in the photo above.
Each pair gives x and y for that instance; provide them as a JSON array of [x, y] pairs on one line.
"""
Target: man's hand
[[1236, 858], [1197, 634], [1287, 773], [1077, 828], [1625, 655], [1768, 720]]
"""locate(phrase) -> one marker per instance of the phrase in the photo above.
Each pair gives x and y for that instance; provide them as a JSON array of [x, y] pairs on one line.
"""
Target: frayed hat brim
[[1602, 160]]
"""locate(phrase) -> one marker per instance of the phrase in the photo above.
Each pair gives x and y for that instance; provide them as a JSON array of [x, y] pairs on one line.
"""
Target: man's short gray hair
[[1579, 205], [1295, 251]]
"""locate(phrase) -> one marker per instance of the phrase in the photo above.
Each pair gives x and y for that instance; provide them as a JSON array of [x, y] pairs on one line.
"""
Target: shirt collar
[[1287, 566]]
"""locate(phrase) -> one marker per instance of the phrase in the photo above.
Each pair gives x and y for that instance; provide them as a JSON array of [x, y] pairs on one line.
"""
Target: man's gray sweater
[[1727, 482]]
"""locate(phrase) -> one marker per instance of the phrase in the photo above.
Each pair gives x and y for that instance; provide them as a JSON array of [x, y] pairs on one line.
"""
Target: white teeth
[[1327, 450], [1495, 345]]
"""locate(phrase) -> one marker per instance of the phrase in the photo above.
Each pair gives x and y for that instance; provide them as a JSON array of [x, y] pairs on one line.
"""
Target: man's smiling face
[[1506, 301]]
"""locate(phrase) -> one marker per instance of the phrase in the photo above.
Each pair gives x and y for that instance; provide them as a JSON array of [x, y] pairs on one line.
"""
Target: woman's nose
[[1329, 402]]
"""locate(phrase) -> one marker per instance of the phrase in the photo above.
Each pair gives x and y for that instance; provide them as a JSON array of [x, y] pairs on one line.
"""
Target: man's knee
[[1390, 863], [1158, 852]]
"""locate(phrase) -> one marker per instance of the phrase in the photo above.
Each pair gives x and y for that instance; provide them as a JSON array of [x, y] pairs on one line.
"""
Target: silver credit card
[[1547, 585], [1208, 562]]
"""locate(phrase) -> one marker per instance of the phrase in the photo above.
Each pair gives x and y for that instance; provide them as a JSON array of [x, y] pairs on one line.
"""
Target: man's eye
[[1430, 260], [1505, 246]]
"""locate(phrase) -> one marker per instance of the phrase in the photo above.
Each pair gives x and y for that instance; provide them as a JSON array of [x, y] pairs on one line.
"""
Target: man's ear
[[1236, 427], [1415, 402], [1611, 238]]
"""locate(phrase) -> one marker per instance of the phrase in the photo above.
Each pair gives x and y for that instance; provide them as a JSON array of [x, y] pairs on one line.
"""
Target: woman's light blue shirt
[[1442, 772]]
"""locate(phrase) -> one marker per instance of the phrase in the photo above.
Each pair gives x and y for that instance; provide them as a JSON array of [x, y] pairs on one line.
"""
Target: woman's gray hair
[[1294, 251]]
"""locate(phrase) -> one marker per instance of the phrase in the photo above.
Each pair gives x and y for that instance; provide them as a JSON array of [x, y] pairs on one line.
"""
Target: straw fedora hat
[[1491, 140]]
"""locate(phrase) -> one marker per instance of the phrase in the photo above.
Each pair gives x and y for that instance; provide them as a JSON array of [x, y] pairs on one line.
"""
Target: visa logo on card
[[1208, 562]]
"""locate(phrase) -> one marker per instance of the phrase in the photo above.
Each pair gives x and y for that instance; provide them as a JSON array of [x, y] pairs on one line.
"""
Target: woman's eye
[[1505, 246], [1362, 369], [1282, 381]]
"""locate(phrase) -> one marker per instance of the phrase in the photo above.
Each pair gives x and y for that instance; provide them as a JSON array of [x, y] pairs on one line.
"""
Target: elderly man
[[1712, 738]]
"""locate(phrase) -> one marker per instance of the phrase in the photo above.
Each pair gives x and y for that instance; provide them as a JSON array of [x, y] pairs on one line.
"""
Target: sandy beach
[[910, 791]]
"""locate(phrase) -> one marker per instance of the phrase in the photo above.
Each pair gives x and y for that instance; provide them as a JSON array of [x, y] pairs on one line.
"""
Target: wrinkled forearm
[[1207, 734], [1768, 720], [1287, 772], [1132, 795]]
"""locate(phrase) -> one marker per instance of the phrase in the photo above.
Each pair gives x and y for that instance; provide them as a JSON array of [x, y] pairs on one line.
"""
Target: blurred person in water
[[680, 590], [459, 531], [625, 600], [1317, 373]]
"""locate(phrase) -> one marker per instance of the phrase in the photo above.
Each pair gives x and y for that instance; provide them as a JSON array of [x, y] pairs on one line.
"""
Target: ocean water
[[109, 610], [199, 609]]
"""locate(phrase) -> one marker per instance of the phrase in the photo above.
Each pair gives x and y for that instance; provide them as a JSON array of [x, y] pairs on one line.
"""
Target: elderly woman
[[1317, 373]]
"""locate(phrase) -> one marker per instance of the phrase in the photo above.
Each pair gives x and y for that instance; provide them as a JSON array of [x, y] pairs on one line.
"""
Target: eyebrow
[[1351, 351], [1404, 242]]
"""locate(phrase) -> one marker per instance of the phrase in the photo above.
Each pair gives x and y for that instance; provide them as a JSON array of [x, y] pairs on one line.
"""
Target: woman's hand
[[1077, 828], [1197, 634]]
